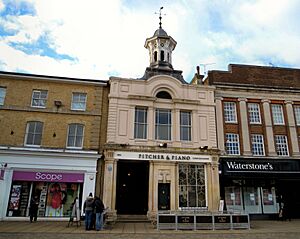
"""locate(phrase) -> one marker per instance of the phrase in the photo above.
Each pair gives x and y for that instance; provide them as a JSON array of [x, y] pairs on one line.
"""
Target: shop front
[[56, 192], [260, 186], [147, 182]]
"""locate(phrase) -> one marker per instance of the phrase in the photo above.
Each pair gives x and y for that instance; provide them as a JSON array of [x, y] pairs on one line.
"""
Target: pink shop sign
[[48, 176]]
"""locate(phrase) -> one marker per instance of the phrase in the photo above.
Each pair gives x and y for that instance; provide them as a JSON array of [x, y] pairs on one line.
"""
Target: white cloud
[[1, 5]]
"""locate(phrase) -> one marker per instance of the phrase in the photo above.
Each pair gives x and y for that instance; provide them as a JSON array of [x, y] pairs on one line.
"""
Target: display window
[[55, 199]]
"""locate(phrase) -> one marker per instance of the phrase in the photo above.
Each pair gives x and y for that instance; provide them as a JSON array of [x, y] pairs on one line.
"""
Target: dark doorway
[[132, 187], [164, 196]]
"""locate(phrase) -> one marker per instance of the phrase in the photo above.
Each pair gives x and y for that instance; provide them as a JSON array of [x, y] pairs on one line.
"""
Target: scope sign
[[49, 176]]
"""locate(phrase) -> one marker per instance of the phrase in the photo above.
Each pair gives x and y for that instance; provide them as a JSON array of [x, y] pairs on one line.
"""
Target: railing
[[197, 220]]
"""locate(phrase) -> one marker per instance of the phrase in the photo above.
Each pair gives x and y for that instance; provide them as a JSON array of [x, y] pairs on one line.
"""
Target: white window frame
[[254, 113], [2, 95], [281, 145], [297, 114], [80, 104], [186, 128], [168, 126], [232, 144], [257, 143], [34, 133], [230, 115], [75, 136], [140, 123], [277, 114], [36, 97]]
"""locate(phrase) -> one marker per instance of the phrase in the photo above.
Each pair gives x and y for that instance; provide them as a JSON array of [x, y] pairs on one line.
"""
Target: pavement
[[260, 229]]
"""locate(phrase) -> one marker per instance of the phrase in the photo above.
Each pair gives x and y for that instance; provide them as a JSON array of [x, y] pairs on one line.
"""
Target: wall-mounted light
[[203, 147], [54, 135], [163, 145], [57, 103]]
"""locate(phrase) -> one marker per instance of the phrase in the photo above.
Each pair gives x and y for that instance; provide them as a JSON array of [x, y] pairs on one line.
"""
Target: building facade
[[258, 119], [52, 129], [161, 151]]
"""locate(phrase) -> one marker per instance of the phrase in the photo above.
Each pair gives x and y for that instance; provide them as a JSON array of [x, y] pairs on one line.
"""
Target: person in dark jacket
[[99, 209], [88, 209], [33, 210]]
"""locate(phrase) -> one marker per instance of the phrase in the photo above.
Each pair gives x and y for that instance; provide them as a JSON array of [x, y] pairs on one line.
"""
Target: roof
[[160, 33]]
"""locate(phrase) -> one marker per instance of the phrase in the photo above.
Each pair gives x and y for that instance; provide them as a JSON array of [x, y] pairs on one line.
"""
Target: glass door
[[269, 200], [252, 200], [233, 199]]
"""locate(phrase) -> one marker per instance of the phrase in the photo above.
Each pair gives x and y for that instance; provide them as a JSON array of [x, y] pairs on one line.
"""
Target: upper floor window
[[75, 136], [2, 95], [281, 145], [230, 112], [232, 144], [78, 101], [140, 123], [163, 124], [185, 126], [33, 136], [277, 114], [39, 98], [257, 141], [254, 113], [297, 114], [163, 95]]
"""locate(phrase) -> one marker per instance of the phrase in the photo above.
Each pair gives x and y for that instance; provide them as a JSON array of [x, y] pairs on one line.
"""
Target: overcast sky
[[96, 39]]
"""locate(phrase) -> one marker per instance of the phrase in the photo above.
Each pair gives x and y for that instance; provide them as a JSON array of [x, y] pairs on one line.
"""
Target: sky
[[96, 39]]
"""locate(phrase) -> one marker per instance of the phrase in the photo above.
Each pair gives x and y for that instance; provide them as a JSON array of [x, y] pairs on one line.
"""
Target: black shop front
[[260, 187]]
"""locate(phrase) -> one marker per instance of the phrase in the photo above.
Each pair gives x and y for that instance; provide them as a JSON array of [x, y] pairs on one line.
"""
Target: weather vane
[[160, 16]]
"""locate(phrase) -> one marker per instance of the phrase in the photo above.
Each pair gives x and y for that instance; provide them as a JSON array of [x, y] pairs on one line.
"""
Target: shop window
[[33, 136], [78, 101], [257, 142], [2, 95], [233, 198], [297, 114], [232, 144], [185, 126], [163, 124], [254, 113], [75, 136], [140, 123], [277, 114], [191, 185], [281, 145], [39, 98], [230, 112]]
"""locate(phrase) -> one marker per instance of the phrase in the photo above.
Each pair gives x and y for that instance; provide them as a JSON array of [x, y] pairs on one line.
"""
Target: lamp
[[203, 147], [163, 145], [57, 103]]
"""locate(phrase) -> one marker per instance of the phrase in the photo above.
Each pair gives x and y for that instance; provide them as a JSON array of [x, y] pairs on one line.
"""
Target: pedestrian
[[75, 214], [33, 209], [99, 209], [88, 209]]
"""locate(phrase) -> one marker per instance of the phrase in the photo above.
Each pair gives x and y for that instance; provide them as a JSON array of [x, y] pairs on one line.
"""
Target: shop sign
[[1, 174], [48, 176], [162, 157]]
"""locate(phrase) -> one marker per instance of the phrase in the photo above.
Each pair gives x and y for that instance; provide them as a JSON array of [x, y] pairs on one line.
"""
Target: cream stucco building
[[161, 151]]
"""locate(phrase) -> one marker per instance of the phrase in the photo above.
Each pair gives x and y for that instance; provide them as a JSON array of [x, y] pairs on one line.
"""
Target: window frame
[[2, 95], [297, 114], [260, 144], [34, 133], [280, 145], [143, 124], [168, 125], [79, 101], [231, 152], [75, 136], [39, 99], [277, 117], [230, 114], [186, 127], [254, 113]]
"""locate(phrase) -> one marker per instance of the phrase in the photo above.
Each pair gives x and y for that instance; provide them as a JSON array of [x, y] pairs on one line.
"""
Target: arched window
[[155, 56], [163, 95], [162, 55]]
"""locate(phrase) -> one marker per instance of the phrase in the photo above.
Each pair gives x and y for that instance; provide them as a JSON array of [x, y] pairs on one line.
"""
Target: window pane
[[232, 144], [257, 145], [140, 124], [230, 112], [34, 133], [163, 124], [254, 113], [75, 135], [185, 126], [277, 114], [29, 139], [297, 114], [281, 145], [78, 101], [2, 95], [39, 98]]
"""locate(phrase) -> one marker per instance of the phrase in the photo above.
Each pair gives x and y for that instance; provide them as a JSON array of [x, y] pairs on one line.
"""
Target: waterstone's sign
[[48, 176], [162, 157], [231, 165]]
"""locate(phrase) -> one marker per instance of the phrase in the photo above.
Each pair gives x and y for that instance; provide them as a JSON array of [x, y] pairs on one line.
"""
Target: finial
[[160, 16]]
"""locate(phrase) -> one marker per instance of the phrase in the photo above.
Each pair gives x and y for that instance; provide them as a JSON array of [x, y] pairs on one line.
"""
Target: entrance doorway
[[132, 187]]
